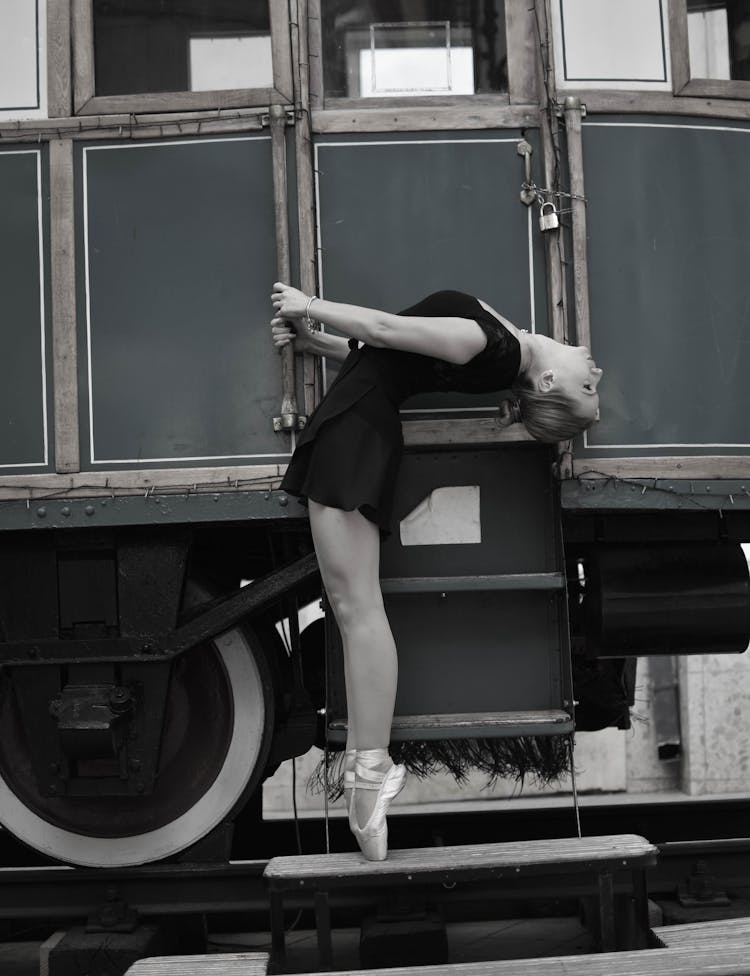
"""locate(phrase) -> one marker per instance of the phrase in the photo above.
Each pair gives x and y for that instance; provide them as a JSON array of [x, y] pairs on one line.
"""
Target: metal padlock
[[548, 219]]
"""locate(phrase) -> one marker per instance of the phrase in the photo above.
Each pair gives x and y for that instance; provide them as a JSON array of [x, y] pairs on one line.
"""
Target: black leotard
[[349, 453]]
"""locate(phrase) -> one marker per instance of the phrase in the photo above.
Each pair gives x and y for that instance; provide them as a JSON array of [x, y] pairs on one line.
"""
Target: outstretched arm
[[455, 340]]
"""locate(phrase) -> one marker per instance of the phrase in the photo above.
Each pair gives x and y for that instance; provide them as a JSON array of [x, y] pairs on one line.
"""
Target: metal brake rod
[[250, 600]]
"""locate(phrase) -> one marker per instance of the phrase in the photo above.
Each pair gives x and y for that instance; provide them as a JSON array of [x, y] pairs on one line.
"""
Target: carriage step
[[487, 725], [725, 931], [596, 858], [446, 584], [219, 964], [726, 961]]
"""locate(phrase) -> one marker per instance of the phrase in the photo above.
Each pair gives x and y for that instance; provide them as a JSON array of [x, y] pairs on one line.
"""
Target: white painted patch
[[448, 516], [23, 37], [416, 71], [611, 44], [222, 63]]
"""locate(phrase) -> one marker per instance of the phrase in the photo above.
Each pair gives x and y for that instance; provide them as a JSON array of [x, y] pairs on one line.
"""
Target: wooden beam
[[661, 103], [472, 113], [283, 267], [678, 44], [64, 332], [573, 114], [710, 467], [58, 58], [486, 430], [306, 188], [522, 46], [82, 25], [315, 53], [280, 58], [114, 483]]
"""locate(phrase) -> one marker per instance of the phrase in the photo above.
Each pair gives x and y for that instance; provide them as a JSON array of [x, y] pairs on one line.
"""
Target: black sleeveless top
[[348, 455]]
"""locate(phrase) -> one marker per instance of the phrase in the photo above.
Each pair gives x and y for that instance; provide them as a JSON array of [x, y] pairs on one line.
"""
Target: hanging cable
[[571, 747]]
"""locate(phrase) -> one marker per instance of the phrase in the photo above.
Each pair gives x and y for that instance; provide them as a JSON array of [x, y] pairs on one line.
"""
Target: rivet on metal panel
[[41, 512], [89, 509], [283, 501]]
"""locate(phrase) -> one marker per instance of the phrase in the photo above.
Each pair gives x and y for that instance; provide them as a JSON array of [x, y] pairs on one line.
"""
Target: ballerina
[[346, 462]]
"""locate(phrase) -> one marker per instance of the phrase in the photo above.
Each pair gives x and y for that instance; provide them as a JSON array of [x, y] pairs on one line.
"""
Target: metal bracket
[[560, 107], [528, 195], [287, 421], [290, 118]]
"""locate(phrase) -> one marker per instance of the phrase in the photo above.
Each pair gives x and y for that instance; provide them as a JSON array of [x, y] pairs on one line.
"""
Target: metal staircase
[[481, 626]]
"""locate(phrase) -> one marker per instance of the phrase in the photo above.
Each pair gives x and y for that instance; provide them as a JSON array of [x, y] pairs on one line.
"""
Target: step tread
[[728, 961], [723, 931], [515, 857], [496, 581], [542, 716], [219, 964]]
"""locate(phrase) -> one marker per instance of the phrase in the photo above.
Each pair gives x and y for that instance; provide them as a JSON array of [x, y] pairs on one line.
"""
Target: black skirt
[[349, 458]]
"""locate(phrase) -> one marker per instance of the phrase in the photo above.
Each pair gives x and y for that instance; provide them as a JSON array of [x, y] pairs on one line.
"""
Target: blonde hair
[[550, 416]]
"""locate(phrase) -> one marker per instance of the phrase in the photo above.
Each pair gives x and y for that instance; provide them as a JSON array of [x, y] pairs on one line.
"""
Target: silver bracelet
[[311, 326]]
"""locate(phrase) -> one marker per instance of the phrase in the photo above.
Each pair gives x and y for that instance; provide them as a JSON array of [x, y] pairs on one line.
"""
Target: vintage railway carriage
[[160, 166]]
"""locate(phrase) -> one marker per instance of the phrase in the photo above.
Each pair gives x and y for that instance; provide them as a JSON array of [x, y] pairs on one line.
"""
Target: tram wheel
[[217, 734]]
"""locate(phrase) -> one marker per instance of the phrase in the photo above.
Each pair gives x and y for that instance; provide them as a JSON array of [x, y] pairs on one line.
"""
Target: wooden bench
[[725, 931], [730, 961], [218, 964], [597, 859]]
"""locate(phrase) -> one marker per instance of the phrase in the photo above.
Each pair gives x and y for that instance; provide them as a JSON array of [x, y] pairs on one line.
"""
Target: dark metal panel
[[475, 652], [516, 504], [669, 249], [24, 423], [656, 494], [486, 650], [176, 257], [405, 214], [156, 509]]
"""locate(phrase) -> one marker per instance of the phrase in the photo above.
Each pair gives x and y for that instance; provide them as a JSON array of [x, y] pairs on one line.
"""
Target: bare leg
[[348, 550]]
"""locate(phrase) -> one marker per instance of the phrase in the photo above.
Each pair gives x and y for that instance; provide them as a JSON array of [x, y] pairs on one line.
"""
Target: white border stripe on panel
[[42, 309], [171, 144], [414, 142], [660, 125]]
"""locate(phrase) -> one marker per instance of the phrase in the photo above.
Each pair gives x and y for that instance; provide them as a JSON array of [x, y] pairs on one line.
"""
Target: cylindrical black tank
[[681, 599]]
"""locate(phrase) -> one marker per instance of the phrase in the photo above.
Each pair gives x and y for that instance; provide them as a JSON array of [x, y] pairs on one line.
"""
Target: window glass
[[181, 45], [386, 48], [719, 39]]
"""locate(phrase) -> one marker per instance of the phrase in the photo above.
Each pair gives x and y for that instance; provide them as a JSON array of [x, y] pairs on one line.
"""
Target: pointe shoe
[[350, 758], [373, 837]]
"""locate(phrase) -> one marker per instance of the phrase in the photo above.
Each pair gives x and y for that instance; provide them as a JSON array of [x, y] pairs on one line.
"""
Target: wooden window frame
[[522, 72], [682, 82], [85, 102]]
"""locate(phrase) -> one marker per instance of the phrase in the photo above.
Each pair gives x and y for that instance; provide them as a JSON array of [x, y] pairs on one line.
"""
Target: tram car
[[579, 164]]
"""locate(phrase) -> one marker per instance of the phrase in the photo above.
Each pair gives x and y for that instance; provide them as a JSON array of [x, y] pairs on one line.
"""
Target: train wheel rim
[[245, 754]]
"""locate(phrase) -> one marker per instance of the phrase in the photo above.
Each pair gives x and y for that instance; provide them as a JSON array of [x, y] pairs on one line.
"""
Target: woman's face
[[574, 372]]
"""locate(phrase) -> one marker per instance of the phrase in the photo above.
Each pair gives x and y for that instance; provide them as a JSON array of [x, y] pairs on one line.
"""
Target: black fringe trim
[[541, 759]]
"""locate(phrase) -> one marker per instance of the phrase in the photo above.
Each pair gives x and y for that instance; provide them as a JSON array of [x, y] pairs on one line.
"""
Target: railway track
[[699, 865]]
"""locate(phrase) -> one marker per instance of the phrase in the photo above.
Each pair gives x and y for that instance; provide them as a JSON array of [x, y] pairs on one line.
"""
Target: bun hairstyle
[[510, 412], [549, 417]]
